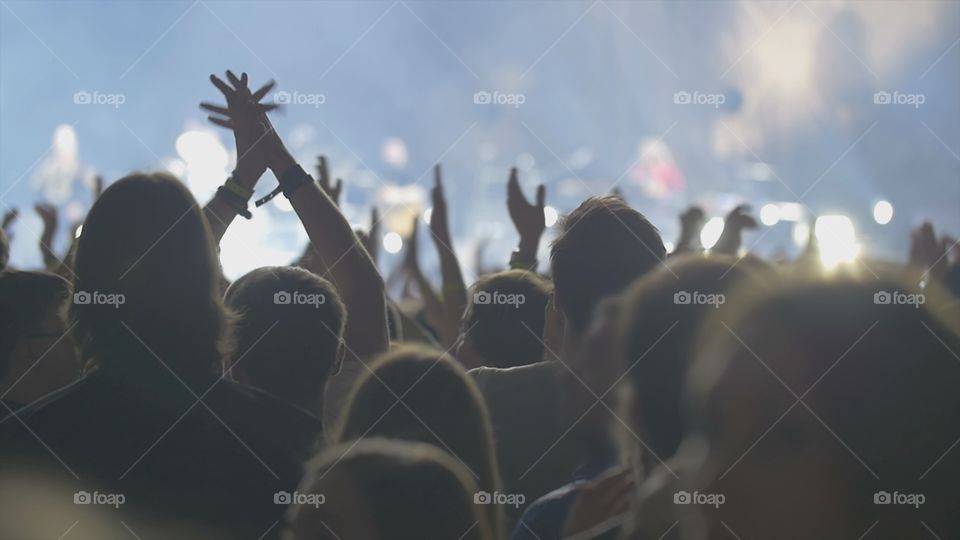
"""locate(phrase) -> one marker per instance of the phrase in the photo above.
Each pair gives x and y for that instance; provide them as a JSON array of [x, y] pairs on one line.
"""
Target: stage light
[[836, 239], [79, 230], [791, 211], [883, 212], [392, 242], [801, 233], [427, 214], [711, 232], [770, 214], [550, 216], [668, 246], [394, 152]]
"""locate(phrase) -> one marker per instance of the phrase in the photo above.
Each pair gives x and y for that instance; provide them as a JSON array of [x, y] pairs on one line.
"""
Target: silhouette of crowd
[[616, 391]]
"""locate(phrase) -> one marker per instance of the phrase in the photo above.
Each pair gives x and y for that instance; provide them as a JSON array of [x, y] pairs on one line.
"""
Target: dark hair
[[507, 335], [26, 298], [146, 242], [412, 490], [662, 314], [602, 247], [287, 347], [880, 374], [419, 394]]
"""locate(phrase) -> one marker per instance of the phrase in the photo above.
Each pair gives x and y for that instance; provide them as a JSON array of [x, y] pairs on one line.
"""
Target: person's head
[[503, 323], [661, 315], [37, 354], [288, 333], [839, 397], [419, 394], [380, 489], [603, 245], [147, 281]]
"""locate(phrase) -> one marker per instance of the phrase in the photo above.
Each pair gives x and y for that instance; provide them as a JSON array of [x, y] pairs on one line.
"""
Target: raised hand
[[734, 224], [527, 218], [323, 178], [48, 214], [439, 225], [691, 221], [371, 240], [245, 116], [529, 221], [929, 253]]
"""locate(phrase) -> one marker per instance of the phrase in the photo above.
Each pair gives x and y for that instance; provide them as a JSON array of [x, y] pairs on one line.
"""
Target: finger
[[513, 186], [215, 108], [541, 195], [222, 86], [234, 80], [258, 95], [437, 175], [243, 79], [266, 107], [338, 186], [375, 219], [323, 171], [221, 122]]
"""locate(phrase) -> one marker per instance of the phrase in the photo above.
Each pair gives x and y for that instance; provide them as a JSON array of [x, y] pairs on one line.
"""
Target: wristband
[[291, 180], [236, 196]]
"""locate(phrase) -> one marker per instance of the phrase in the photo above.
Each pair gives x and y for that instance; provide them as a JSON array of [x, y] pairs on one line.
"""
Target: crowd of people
[[622, 393]]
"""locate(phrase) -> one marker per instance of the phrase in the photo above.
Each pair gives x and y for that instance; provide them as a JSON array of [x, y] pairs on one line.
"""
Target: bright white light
[[801, 233], [392, 242], [791, 211], [282, 204], [205, 160], [78, 231], [668, 246], [711, 232], [770, 214], [550, 215], [427, 214], [836, 239], [883, 212], [394, 152]]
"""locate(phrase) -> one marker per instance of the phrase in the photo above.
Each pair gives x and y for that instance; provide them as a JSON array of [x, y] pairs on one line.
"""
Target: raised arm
[[529, 221], [232, 198], [454, 291]]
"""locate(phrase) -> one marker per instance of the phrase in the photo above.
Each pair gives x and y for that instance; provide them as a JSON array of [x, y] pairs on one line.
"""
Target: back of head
[[504, 318], [662, 313], [419, 394], [26, 299], [389, 490], [147, 280], [288, 331], [855, 379], [602, 247]]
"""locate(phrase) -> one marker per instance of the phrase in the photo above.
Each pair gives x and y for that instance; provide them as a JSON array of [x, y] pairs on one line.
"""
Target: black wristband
[[291, 180], [235, 201]]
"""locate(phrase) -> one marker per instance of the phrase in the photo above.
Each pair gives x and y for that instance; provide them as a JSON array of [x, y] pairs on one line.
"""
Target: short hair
[[507, 334], [147, 242], [441, 405], [26, 298], [603, 245], [411, 489], [288, 346], [662, 314]]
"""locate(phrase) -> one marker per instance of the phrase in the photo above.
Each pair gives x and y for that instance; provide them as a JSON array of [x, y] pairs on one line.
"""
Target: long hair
[[420, 394], [147, 281]]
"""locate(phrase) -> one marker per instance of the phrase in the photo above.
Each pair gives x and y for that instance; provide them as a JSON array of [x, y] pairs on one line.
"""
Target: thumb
[[541, 195]]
